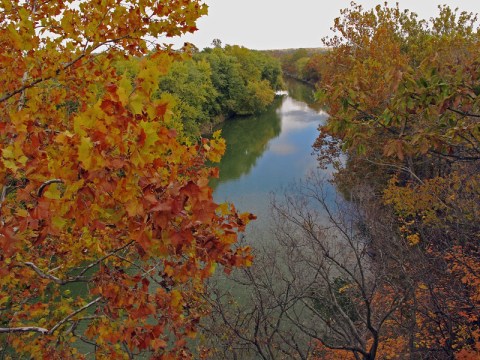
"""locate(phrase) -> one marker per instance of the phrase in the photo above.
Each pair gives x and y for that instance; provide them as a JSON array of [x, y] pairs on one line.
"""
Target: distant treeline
[[301, 64], [219, 83]]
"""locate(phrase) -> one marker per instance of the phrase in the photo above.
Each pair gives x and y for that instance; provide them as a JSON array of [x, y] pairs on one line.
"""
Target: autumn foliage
[[108, 227], [403, 95]]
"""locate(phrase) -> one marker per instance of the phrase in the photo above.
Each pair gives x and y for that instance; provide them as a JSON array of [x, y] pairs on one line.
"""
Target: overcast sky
[[280, 24]]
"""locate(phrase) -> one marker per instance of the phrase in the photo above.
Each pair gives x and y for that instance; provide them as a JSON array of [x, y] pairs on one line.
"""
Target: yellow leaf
[[86, 120], [176, 298], [63, 136], [22, 159], [124, 89], [21, 212], [10, 164], [53, 192], [136, 104], [158, 344], [85, 152], [8, 152], [72, 189], [15, 36], [150, 76], [59, 222], [133, 208], [224, 209], [413, 239], [217, 134], [150, 130], [66, 22]]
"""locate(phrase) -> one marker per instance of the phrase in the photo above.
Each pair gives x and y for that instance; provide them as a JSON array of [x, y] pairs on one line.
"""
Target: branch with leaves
[[44, 331], [98, 183]]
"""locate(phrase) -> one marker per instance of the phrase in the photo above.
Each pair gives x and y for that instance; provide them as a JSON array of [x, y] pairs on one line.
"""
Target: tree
[[217, 43], [289, 61], [411, 101], [190, 82], [313, 68], [97, 189], [245, 80], [402, 95]]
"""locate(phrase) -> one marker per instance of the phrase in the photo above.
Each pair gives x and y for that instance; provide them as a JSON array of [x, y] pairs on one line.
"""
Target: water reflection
[[247, 139], [267, 153], [302, 92]]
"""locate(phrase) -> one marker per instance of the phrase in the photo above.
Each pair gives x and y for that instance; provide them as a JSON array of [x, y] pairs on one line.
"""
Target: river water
[[268, 152]]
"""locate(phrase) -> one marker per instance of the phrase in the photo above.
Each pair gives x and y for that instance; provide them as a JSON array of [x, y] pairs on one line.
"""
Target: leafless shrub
[[324, 282]]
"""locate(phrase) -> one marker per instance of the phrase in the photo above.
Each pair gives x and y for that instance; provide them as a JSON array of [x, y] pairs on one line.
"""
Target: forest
[[113, 247]]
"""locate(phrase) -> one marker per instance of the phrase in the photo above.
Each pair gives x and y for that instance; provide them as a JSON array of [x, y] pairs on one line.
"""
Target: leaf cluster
[[108, 228]]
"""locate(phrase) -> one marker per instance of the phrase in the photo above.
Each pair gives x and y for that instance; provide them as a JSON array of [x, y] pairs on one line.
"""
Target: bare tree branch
[[463, 113]]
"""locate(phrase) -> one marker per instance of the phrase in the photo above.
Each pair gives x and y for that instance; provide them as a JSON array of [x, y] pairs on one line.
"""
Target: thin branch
[[23, 330], [65, 319], [79, 277], [398, 167], [463, 113], [455, 157], [45, 331], [4, 194], [39, 80], [58, 71], [3, 197], [46, 276], [46, 183], [105, 257]]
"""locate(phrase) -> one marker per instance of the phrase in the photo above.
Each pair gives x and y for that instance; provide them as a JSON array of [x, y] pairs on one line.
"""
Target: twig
[[80, 276], [105, 257], [58, 71], [46, 183], [45, 331], [65, 319], [3, 197], [463, 113], [47, 276]]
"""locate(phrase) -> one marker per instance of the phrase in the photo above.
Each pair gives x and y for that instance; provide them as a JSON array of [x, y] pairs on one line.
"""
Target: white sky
[[280, 24]]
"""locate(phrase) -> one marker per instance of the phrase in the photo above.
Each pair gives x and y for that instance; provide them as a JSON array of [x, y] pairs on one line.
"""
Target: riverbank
[[207, 129], [296, 78]]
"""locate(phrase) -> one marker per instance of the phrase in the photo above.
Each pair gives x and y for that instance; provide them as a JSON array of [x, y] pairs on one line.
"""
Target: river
[[268, 152], [266, 155]]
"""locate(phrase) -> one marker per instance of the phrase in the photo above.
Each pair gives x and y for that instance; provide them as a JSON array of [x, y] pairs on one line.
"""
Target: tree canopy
[[220, 83], [97, 187], [403, 98]]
